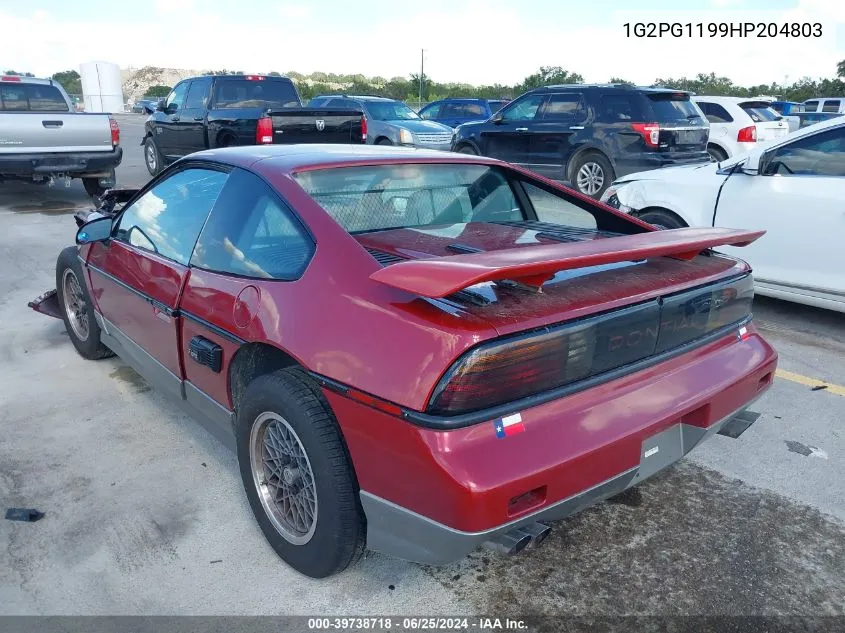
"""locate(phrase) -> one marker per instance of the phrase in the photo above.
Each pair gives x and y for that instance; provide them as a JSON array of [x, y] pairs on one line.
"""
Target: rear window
[[245, 93], [379, 197], [759, 111], [811, 106], [31, 98], [674, 107]]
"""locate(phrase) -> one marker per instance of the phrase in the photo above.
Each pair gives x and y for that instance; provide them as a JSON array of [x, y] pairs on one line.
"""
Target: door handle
[[197, 118], [52, 123], [174, 118], [576, 127], [521, 129]]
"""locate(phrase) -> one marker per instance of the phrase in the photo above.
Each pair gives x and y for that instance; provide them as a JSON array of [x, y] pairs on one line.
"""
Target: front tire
[[662, 219], [467, 149], [384, 141], [716, 153], [76, 307], [591, 174], [152, 157], [297, 474]]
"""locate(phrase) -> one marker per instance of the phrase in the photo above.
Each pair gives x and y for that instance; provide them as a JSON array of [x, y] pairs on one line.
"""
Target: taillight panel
[[650, 133], [264, 131], [747, 134], [512, 368], [115, 132]]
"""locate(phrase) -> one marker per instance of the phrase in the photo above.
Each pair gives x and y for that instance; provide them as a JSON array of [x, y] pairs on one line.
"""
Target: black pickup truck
[[225, 110]]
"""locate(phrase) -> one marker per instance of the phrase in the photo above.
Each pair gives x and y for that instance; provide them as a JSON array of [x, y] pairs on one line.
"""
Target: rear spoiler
[[534, 265]]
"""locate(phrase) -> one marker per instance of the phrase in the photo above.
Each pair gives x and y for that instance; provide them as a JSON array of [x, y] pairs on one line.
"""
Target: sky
[[471, 41]]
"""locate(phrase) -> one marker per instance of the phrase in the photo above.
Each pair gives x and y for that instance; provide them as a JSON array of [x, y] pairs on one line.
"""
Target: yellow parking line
[[810, 382]]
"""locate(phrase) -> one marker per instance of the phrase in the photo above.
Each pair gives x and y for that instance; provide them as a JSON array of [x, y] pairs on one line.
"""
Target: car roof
[[356, 97], [731, 99], [652, 89], [267, 159]]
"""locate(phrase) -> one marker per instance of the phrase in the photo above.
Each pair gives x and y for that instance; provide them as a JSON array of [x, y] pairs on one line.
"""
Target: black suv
[[588, 135]]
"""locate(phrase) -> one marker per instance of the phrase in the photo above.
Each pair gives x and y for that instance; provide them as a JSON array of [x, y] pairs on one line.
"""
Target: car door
[[251, 238], [167, 122], [561, 116], [797, 199], [137, 276], [451, 113], [722, 127], [431, 112], [506, 136], [191, 123]]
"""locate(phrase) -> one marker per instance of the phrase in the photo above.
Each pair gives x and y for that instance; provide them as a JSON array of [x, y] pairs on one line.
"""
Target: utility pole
[[422, 73]]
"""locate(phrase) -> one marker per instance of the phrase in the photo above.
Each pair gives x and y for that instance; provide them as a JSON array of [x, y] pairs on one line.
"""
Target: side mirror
[[751, 166], [497, 118], [98, 230]]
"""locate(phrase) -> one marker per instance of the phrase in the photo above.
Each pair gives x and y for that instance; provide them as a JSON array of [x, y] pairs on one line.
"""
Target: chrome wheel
[[283, 478], [590, 178], [152, 159], [75, 304]]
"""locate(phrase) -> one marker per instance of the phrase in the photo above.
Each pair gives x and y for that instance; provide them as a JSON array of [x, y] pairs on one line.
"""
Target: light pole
[[422, 73]]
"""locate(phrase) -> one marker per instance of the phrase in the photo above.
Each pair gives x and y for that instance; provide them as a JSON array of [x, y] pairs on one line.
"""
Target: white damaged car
[[793, 188]]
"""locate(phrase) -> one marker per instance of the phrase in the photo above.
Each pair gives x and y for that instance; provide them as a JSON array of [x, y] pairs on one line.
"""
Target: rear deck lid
[[770, 125], [683, 128]]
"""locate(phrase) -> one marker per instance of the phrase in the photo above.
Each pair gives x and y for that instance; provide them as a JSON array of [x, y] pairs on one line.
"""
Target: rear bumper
[[399, 532], [432, 496], [72, 163], [654, 160]]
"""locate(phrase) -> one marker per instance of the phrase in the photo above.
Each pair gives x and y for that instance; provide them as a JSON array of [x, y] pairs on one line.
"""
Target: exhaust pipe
[[538, 533], [528, 536]]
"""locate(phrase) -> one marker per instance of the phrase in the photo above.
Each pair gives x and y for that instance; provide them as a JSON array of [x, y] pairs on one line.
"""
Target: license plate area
[[659, 451]]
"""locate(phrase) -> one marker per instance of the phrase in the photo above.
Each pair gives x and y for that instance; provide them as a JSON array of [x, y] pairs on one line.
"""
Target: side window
[[563, 107], [523, 109], [168, 218], [831, 105], [616, 108], [431, 112], [251, 232], [472, 110], [811, 106], [557, 209], [817, 155], [715, 113], [453, 111], [198, 94], [176, 99]]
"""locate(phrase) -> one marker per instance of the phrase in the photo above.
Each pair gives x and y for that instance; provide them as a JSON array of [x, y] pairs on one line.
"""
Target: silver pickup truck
[[42, 137]]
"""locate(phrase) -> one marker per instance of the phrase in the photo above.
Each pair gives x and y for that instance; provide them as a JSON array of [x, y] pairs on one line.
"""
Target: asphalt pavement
[[145, 512]]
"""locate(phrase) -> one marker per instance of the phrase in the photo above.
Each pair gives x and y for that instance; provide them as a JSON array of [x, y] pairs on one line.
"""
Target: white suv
[[737, 125]]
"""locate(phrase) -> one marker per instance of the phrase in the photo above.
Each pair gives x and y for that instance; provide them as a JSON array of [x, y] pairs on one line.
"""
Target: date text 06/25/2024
[[722, 29]]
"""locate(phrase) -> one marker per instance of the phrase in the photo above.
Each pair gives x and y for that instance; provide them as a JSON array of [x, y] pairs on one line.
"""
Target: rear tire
[[663, 219], [93, 187], [76, 307], [591, 174], [467, 149], [384, 141], [152, 157], [297, 474], [716, 153]]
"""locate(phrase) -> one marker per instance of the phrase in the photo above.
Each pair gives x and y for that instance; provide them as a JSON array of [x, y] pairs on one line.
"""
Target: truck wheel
[[591, 174], [662, 219], [93, 187], [384, 141], [297, 474], [152, 157], [76, 307]]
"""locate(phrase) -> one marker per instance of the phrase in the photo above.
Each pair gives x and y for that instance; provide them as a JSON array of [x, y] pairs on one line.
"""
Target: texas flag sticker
[[510, 425]]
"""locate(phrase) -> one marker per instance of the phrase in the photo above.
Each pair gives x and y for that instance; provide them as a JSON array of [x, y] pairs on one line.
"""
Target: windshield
[[390, 111], [759, 111], [379, 197]]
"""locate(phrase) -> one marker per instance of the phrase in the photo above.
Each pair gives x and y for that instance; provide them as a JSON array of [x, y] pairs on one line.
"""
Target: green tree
[[549, 76], [70, 81], [158, 91], [840, 69], [275, 74], [617, 80]]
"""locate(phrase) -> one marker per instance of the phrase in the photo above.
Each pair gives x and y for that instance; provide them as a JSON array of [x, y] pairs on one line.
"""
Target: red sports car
[[415, 352]]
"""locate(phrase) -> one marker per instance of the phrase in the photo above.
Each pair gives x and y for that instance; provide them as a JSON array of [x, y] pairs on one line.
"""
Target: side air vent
[[383, 258]]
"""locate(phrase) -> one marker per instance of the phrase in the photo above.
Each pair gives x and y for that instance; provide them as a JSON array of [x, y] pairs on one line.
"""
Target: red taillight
[[650, 133], [10, 78], [254, 78], [747, 134], [264, 131], [115, 132], [363, 128], [510, 370]]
